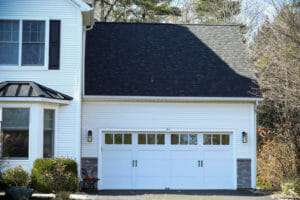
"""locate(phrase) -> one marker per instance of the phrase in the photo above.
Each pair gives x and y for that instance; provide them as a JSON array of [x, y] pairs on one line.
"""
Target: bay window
[[15, 133], [49, 125]]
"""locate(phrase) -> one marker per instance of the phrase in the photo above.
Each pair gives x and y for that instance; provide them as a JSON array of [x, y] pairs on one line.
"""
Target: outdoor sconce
[[245, 137], [90, 136]]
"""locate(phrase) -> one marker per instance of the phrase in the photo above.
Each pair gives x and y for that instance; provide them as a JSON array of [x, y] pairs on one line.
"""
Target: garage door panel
[[152, 168], [116, 183], [152, 182], [167, 166], [218, 169], [117, 169], [184, 154]]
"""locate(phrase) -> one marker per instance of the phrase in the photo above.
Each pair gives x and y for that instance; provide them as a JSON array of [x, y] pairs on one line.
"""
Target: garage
[[166, 160]]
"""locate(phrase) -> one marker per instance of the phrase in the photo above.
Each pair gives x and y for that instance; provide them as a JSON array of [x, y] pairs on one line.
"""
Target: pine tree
[[134, 10]]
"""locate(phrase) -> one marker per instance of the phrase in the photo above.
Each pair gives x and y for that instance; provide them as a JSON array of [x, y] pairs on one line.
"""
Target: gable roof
[[167, 60], [29, 89]]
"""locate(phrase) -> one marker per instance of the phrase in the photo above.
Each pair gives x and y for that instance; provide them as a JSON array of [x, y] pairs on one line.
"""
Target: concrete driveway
[[174, 195]]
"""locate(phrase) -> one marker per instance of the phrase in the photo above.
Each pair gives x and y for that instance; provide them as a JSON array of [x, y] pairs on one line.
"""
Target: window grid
[[16, 38], [9, 42], [156, 141], [114, 135], [185, 139], [216, 136]]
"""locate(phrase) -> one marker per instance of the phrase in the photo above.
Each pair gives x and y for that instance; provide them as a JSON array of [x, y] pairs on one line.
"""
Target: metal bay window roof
[[29, 89]]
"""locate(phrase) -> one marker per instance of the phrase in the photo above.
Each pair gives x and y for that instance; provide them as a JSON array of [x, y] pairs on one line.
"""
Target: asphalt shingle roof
[[136, 59], [29, 89]]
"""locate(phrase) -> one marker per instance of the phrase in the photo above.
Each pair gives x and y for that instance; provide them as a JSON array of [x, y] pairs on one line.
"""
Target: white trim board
[[33, 99], [88, 98]]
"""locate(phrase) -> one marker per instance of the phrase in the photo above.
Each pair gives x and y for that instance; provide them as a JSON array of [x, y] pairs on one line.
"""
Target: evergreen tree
[[134, 10]]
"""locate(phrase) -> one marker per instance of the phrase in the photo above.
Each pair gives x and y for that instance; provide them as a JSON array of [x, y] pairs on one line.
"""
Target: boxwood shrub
[[54, 175], [15, 177]]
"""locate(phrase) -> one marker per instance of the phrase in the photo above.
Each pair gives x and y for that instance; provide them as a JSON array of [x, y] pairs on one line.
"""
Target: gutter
[[95, 98]]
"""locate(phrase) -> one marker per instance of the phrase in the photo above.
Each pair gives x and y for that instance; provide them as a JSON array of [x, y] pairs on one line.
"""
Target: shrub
[[3, 186], [291, 186], [275, 161], [54, 175], [16, 177]]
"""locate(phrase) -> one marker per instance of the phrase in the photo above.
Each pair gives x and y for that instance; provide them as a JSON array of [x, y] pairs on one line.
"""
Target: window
[[160, 138], [15, 133], [184, 139], [32, 42], [225, 139], [206, 139], [216, 139], [151, 138], [118, 138], [9, 42], [49, 125]]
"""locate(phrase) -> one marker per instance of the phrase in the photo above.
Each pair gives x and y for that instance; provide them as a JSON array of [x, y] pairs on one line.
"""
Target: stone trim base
[[244, 173]]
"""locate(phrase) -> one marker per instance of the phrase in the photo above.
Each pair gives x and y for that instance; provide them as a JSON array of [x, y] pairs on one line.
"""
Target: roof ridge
[[158, 23]]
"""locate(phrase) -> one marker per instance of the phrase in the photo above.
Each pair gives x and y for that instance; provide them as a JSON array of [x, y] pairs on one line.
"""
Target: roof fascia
[[84, 7], [88, 98]]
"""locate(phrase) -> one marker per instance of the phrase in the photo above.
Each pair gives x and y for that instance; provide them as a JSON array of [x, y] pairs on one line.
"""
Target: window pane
[[49, 121], [34, 31], [142, 139], [15, 143], [9, 31], [193, 139], [184, 139], [15, 118], [127, 139], [9, 42], [33, 48], [160, 138], [174, 139], [118, 139], [9, 53], [225, 139], [33, 54], [216, 139], [206, 139], [151, 138], [48, 144], [108, 138]]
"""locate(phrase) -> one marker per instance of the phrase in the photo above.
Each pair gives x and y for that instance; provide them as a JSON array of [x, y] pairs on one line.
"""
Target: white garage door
[[167, 161]]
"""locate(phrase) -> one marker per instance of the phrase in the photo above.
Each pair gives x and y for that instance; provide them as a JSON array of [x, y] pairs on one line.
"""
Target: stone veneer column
[[244, 173]]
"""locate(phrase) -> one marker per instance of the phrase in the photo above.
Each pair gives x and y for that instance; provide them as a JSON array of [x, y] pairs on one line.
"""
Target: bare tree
[[276, 54]]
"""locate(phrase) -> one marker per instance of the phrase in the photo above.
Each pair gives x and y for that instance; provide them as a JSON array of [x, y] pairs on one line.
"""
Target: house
[[141, 106]]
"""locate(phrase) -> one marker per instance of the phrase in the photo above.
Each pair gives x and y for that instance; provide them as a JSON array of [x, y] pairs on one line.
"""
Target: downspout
[[87, 24]]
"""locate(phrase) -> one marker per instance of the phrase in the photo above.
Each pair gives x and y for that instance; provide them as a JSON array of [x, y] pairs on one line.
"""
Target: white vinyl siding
[[66, 80]]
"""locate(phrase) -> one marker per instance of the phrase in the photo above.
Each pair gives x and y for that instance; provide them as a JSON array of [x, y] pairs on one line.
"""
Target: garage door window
[[118, 138], [151, 139], [184, 139], [216, 139]]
